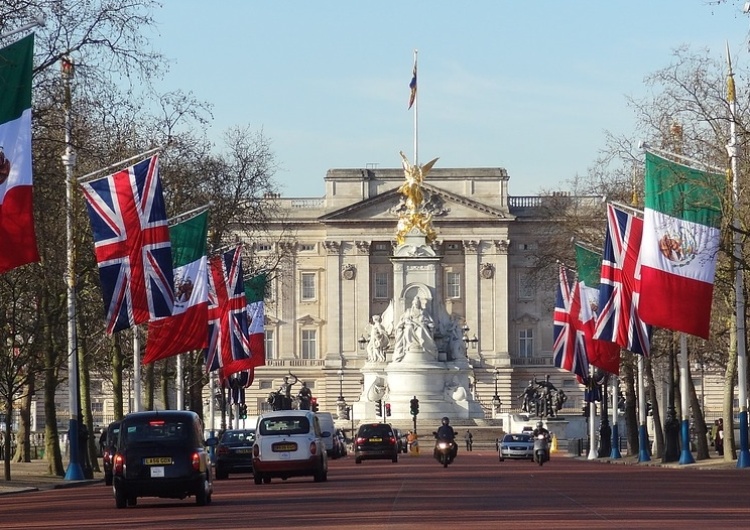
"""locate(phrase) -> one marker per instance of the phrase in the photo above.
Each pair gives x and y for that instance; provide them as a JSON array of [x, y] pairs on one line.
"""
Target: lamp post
[[496, 402], [341, 384], [340, 401], [469, 341], [362, 341]]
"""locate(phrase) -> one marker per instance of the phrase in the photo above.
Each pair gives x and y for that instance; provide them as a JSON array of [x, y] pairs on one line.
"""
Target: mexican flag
[[680, 243], [17, 235], [185, 330], [255, 290], [600, 353]]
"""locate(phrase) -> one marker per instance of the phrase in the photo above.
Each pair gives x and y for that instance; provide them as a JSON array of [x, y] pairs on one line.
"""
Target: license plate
[[157, 472], [158, 461], [244, 451], [376, 439], [284, 447]]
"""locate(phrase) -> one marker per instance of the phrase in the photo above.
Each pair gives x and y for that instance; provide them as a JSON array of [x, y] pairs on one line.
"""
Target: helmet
[[540, 425], [445, 420]]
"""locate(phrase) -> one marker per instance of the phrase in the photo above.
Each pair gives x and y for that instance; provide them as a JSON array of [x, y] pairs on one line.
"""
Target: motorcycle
[[541, 449], [445, 450]]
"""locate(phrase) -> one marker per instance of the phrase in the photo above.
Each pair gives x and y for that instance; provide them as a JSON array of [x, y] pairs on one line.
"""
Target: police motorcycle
[[541, 444], [445, 443]]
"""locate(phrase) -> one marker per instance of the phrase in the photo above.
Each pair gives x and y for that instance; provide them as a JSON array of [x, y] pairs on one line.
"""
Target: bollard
[[553, 447]]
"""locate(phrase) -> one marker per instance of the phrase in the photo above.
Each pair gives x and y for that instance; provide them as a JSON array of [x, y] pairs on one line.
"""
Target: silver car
[[519, 446]]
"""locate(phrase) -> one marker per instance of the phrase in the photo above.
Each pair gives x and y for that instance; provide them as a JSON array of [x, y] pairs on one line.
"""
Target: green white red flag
[[17, 234], [186, 329], [681, 233], [255, 290]]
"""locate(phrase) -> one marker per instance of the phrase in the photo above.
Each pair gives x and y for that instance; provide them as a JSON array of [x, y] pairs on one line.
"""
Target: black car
[[161, 454], [108, 450], [234, 452], [375, 441]]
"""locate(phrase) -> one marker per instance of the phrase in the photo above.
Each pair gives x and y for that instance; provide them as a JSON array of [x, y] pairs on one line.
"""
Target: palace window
[[525, 287], [453, 285], [381, 285], [309, 344], [308, 286], [270, 344], [526, 343]]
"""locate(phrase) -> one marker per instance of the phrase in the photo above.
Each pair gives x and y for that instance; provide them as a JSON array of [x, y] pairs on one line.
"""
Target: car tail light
[[196, 461], [313, 448], [393, 440], [222, 450], [118, 465], [361, 440], [106, 456]]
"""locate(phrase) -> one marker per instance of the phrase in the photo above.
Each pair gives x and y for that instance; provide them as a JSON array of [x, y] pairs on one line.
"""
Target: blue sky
[[527, 86]]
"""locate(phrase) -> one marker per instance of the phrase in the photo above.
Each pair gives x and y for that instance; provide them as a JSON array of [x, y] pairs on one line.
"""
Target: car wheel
[[120, 500], [257, 478], [501, 459], [395, 458], [132, 501], [221, 473], [107, 479], [319, 475], [201, 496], [358, 460], [266, 480]]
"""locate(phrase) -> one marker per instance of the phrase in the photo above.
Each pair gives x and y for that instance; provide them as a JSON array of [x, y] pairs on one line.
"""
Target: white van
[[325, 419]]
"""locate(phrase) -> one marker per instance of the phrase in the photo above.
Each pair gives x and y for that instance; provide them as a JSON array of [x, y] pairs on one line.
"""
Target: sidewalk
[[712, 463], [34, 476]]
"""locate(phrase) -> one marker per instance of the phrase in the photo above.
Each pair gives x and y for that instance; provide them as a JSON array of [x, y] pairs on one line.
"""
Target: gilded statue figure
[[414, 217]]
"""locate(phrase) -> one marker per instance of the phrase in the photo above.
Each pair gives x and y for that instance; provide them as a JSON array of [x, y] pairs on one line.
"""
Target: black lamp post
[[341, 384], [496, 399], [469, 341], [362, 341]]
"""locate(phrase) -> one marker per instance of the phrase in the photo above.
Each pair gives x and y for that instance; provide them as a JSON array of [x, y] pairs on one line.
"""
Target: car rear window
[[231, 437], [284, 425], [375, 430], [156, 430], [517, 438]]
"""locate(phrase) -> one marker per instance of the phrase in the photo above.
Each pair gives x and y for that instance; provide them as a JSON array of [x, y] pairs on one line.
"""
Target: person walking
[[719, 440], [469, 438]]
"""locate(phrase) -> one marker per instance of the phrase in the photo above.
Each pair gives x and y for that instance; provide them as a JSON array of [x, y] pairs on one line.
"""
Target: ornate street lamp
[[469, 341], [496, 402], [341, 407], [362, 340], [341, 384]]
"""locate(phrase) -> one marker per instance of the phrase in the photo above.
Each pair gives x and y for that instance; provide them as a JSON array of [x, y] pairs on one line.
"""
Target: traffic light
[[379, 408], [387, 409], [414, 406], [243, 411], [314, 404], [649, 408]]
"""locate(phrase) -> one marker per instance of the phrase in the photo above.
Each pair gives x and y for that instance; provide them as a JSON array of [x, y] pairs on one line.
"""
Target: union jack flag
[[569, 348], [619, 292], [228, 342], [132, 246]]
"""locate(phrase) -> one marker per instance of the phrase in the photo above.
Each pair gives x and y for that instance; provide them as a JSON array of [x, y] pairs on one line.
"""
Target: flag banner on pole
[[567, 356], [131, 242], [228, 342], [255, 291], [17, 233], [185, 329], [619, 318], [680, 244], [413, 84], [602, 354]]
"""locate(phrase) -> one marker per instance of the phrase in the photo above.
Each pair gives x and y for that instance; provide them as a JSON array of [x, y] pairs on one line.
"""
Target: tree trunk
[[87, 418], [7, 435], [699, 422], [166, 376], [651, 396], [118, 364], [631, 418], [51, 436], [23, 436], [148, 383], [729, 382]]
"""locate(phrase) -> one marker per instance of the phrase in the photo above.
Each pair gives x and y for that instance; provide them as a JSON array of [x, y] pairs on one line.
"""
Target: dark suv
[[375, 441], [161, 454], [108, 451]]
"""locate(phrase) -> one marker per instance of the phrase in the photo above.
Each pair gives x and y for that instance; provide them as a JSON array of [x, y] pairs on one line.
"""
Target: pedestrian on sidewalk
[[719, 440], [469, 438]]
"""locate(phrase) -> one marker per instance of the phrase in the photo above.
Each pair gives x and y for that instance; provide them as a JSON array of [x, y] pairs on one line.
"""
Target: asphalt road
[[475, 492]]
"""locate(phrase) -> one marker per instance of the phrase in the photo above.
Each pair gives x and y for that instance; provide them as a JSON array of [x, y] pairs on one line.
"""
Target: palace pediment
[[443, 205]]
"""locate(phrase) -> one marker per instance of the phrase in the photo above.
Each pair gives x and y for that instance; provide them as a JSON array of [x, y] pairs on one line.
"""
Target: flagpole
[[38, 22], [592, 416], [178, 386], [192, 213], [743, 458], [74, 471], [136, 370], [615, 452], [643, 452], [90, 176], [416, 115], [635, 211], [686, 457], [682, 159]]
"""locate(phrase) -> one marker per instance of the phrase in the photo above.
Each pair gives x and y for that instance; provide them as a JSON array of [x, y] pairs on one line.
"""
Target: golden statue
[[414, 217]]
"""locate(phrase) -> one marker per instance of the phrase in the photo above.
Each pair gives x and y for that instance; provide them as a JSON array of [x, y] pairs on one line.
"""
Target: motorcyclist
[[446, 432], [540, 429]]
